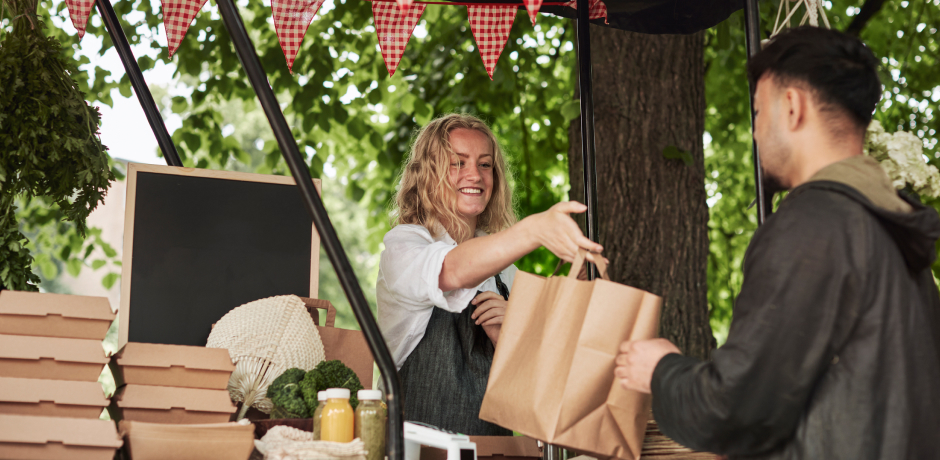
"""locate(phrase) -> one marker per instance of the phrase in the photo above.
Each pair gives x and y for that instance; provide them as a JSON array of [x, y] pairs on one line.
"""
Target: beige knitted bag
[[265, 338]]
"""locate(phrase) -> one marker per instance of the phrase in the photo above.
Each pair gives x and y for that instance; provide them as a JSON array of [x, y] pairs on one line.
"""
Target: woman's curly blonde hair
[[427, 198]]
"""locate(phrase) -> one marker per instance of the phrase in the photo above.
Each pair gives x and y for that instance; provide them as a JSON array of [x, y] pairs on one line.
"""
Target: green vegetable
[[286, 395], [329, 374], [49, 145]]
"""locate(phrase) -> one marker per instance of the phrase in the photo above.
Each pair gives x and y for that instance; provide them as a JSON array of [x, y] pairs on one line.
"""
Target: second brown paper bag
[[553, 372]]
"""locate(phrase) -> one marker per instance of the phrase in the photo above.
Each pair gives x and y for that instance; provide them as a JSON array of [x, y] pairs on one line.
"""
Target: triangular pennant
[[291, 19], [404, 5], [596, 10], [533, 7], [394, 28], [177, 17], [491, 26], [79, 10]]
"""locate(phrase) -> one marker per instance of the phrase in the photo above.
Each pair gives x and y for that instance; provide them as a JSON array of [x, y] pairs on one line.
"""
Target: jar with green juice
[[321, 401], [371, 418]]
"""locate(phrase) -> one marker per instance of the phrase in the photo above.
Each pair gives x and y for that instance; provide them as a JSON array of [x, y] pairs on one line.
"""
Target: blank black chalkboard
[[199, 243]]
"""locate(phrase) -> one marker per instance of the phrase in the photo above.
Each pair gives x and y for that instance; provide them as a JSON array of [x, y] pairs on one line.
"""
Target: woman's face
[[471, 171]]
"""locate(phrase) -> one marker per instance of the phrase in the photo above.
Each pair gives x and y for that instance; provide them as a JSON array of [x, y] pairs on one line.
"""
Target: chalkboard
[[198, 243]]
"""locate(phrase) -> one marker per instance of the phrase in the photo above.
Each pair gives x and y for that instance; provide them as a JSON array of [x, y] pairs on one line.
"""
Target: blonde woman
[[447, 268]]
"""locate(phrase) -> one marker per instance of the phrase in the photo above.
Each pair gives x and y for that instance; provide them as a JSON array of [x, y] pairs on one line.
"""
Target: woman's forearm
[[477, 259]]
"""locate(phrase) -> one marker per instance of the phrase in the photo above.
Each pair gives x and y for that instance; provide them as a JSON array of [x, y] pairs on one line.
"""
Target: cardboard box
[[154, 441], [53, 358], [154, 404], [51, 398], [172, 365], [493, 447], [30, 437], [54, 315]]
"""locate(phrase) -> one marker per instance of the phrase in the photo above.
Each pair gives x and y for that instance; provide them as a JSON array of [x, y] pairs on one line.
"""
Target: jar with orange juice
[[337, 422]]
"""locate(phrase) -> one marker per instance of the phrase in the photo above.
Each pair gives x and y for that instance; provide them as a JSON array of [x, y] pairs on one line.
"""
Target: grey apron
[[444, 378]]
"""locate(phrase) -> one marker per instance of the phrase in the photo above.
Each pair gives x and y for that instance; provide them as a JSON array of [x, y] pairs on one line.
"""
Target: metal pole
[[137, 81], [752, 41], [252, 65], [585, 85]]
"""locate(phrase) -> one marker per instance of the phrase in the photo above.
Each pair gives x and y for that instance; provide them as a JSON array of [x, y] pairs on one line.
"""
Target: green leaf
[[96, 264], [674, 153], [571, 109], [179, 104], [74, 267], [109, 280]]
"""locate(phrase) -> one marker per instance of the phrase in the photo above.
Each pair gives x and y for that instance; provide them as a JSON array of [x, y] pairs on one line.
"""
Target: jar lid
[[337, 393], [321, 395], [365, 395]]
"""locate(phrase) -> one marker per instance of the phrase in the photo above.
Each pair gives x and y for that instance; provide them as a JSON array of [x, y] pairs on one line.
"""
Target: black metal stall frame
[[245, 50]]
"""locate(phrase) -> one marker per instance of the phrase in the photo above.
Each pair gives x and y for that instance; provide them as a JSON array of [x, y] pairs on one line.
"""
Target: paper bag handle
[[314, 304], [579, 261]]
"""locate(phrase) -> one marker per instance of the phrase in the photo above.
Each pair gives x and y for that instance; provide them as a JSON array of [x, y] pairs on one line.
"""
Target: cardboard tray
[[155, 404], [51, 398], [30, 437], [493, 447], [54, 315], [172, 365], [52, 358], [154, 441]]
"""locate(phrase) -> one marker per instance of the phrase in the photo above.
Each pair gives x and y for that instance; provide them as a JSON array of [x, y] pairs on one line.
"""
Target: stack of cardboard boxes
[[51, 356], [175, 384]]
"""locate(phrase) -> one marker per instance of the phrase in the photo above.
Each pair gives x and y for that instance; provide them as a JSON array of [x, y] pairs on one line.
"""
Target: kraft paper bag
[[346, 345], [552, 376]]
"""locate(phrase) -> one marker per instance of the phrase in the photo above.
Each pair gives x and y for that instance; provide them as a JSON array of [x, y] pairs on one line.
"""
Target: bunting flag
[[394, 27], [491, 26], [533, 6], [596, 10], [177, 17], [291, 19], [404, 5], [79, 10]]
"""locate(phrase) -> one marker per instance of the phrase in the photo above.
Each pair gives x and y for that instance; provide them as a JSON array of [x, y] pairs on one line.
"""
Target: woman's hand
[[489, 313], [558, 232]]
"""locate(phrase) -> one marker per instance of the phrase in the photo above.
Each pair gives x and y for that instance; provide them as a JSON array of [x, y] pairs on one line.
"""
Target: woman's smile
[[471, 172]]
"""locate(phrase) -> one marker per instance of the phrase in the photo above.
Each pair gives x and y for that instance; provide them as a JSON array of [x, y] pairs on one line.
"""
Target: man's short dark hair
[[838, 68]]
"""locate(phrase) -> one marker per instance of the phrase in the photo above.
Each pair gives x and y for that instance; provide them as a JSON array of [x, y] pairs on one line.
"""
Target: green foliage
[[329, 374], [48, 139], [285, 393]]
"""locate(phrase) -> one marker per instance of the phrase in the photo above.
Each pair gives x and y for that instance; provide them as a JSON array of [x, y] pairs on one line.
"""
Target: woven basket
[[265, 338]]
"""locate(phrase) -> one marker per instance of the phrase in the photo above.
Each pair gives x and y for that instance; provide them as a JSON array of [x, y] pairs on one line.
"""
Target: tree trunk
[[649, 94]]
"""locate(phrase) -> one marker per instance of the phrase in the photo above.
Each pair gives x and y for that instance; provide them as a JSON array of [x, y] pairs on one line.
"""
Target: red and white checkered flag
[[177, 17], [79, 10], [404, 5], [291, 19], [533, 6], [596, 10], [491, 26], [394, 27]]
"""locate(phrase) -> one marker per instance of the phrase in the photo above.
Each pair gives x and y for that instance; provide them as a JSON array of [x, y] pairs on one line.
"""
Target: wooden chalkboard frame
[[131, 200]]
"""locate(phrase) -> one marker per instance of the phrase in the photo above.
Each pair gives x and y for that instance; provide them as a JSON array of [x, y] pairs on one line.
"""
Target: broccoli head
[[329, 374], [286, 395]]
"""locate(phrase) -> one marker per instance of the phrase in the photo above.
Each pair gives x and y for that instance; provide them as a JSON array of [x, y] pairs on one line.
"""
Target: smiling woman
[[447, 268]]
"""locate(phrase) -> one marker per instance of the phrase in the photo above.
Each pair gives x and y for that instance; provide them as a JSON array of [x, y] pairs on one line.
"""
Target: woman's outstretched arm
[[477, 259]]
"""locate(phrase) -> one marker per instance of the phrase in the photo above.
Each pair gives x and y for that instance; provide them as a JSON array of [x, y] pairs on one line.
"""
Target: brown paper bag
[[553, 372], [346, 345]]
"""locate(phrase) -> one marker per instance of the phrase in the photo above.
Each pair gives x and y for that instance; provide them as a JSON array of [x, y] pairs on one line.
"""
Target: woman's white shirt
[[407, 287]]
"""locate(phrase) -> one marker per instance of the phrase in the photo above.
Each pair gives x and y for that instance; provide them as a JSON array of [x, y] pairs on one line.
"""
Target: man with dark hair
[[834, 350]]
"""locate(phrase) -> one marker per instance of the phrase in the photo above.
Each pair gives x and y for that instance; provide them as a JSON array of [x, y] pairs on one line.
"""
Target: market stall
[[646, 16]]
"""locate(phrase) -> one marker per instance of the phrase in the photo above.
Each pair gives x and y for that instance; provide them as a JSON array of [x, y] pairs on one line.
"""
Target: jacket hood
[[915, 232]]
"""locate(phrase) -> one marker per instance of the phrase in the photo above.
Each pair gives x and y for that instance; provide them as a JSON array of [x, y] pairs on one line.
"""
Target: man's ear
[[795, 105]]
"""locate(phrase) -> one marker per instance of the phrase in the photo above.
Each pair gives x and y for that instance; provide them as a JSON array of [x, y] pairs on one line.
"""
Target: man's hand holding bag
[[552, 376]]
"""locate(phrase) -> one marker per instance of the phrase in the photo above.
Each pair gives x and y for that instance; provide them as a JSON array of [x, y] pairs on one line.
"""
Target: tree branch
[[869, 10]]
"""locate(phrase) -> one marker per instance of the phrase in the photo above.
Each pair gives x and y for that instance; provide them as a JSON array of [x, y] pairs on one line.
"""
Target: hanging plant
[[901, 155], [49, 144]]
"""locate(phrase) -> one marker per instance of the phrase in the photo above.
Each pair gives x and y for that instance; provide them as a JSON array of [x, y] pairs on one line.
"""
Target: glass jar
[[338, 419], [371, 418], [321, 401]]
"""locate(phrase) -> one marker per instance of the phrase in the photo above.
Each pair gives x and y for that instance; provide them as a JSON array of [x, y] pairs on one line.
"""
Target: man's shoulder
[[824, 204]]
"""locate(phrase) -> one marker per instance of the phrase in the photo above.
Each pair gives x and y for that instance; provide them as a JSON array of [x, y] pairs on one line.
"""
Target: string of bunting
[[395, 21]]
